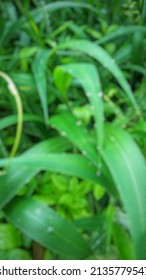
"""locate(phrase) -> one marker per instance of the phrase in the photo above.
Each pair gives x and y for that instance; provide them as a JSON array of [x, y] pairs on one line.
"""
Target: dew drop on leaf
[[78, 123], [112, 138], [63, 133], [88, 94], [84, 153], [100, 94]]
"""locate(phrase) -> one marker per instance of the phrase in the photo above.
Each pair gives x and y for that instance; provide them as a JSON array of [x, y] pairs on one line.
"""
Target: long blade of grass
[[69, 164], [106, 60], [121, 31], [39, 66], [127, 167], [43, 225], [12, 120], [88, 77]]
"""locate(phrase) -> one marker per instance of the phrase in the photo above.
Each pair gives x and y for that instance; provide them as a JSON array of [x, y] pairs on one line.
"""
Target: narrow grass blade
[[12, 120], [39, 66], [127, 167], [122, 31], [43, 225], [88, 77], [135, 68], [106, 60]]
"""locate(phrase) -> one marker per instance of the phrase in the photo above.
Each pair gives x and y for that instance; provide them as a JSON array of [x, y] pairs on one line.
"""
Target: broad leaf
[[43, 225], [127, 167], [15, 178]]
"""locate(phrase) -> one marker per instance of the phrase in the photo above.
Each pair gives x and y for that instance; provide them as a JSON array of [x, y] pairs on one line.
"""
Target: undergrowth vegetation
[[73, 126]]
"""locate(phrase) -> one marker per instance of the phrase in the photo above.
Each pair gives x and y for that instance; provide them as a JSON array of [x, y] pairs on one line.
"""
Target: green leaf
[[9, 237], [15, 178], [47, 228], [39, 66], [95, 223], [127, 167], [121, 31], [106, 60], [62, 81], [11, 120], [24, 81], [88, 77], [69, 164], [123, 243], [137, 44], [71, 128], [15, 254]]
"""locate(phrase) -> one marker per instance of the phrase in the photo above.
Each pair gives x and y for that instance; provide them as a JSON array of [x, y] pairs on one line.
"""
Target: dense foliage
[[73, 126]]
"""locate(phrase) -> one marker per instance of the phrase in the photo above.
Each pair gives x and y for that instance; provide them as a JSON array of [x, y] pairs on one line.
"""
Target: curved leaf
[[69, 164], [127, 167], [121, 31], [15, 178], [88, 77], [106, 60], [43, 225]]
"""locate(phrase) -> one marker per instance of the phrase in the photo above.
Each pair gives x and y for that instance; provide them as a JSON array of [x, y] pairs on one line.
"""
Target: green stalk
[[13, 90]]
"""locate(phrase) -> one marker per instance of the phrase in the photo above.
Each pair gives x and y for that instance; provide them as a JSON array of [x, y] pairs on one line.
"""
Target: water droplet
[[100, 94], [63, 133], [50, 229], [84, 153], [112, 138], [88, 94], [78, 123]]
